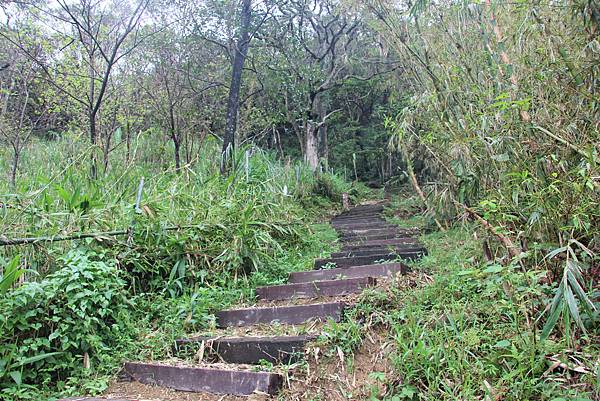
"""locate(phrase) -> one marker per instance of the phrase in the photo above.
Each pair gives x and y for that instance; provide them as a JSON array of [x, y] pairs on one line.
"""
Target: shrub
[[50, 330]]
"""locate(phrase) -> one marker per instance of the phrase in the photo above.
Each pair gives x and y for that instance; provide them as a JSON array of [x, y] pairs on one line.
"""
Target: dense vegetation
[[196, 244], [464, 327], [161, 159]]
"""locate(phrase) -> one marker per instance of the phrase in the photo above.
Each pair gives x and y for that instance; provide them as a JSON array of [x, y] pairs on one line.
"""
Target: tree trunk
[[15, 164], [177, 147], [189, 147], [323, 143], [233, 103], [311, 156], [93, 140], [322, 134], [92, 114], [175, 137]]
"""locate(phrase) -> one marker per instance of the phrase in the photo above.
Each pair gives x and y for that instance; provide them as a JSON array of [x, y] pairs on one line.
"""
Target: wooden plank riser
[[363, 209], [379, 243], [363, 227], [375, 231], [284, 315], [353, 240], [366, 260], [364, 216], [366, 229], [359, 220], [218, 381], [383, 270], [313, 290], [379, 251], [248, 350]]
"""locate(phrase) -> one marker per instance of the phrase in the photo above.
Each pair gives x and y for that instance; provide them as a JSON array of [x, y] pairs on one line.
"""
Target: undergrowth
[[469, 328], [473, 333], [195, 243]]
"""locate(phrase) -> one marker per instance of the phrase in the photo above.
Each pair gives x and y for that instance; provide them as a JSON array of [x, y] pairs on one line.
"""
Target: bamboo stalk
[[513, 251], [421, 194], [416, 186], [33, 240], [525, 117]]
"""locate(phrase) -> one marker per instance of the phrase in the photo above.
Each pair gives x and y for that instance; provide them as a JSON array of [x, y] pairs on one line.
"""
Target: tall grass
[[228, 225], [195, 243]]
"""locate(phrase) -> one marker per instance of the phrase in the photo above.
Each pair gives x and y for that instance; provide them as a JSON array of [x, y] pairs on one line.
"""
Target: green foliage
[[229, 227], [47, 327], [10, 274], [473, 325], [198, 243], [469, 334], [332, 187], [513, 142]]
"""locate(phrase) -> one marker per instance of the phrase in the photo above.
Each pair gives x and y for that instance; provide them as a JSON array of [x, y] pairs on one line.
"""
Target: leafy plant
[[570, 294], [10, 274], [48, 327]]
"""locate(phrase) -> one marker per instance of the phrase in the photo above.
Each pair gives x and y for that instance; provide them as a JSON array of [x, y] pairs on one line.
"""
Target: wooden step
[[219, 381], [354, 261], [364, 216], [249, 350], [363, 209], [364, 228], [330, 288], [379, 251], [358, 222], [282, 314], [376, 231], [354, 238], [351, 228], [357, 216], [359, 245], [382, 270], [369, 259]]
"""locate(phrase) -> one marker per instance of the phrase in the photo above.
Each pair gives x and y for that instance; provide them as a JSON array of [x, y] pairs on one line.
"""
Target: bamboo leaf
[[34, 359], [580, 291], [575, 268], [11, 274], [552, 319], [556, 252], [573, 308], [16, 376]]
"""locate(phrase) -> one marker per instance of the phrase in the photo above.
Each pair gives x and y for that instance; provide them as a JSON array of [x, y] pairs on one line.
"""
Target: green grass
[[236, 232], [471, 333]]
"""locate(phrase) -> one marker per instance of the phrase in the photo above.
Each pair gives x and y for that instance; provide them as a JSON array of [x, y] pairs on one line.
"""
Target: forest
[[163, 160]]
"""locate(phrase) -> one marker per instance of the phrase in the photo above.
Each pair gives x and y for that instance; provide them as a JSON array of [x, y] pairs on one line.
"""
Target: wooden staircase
[[372, 249]]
